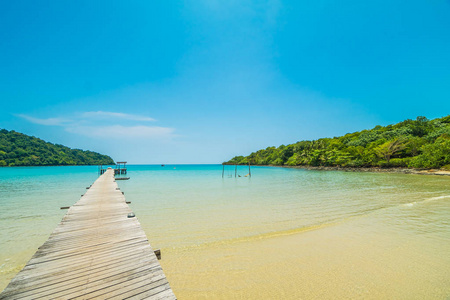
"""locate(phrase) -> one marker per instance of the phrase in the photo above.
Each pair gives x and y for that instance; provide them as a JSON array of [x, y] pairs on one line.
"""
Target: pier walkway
[[97, 251]]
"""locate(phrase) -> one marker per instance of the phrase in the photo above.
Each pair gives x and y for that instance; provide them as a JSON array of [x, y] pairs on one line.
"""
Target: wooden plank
[[65, 244], [79, 284], [116, 285], [131, 287], [58, 276], [81, 263], [77, 254], [142, 289], [95, 252], [167, 294]]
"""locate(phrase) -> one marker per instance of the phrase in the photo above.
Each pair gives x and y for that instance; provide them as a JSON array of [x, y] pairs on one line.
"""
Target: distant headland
[[18, 149], [418, 144]]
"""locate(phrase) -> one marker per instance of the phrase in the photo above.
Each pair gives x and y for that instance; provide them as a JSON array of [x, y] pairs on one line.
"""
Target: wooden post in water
[[235, 170], [249, 172], [223, 169]]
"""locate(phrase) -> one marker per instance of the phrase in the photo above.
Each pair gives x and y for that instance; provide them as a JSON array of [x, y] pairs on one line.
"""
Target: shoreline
[[437, 172]]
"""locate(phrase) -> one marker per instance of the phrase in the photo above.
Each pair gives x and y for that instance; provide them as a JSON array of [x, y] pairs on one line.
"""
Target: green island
[[18, 149], [420, 143]]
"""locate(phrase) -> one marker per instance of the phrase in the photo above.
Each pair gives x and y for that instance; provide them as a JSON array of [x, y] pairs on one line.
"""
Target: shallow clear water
[[282, 232]]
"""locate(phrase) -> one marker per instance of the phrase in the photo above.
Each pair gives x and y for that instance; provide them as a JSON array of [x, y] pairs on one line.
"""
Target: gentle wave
[[410, 204], [303, 229], [275, 234]]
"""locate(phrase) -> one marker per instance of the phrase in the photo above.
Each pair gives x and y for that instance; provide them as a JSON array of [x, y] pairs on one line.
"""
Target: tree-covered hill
[[17, 149], [419, 143]]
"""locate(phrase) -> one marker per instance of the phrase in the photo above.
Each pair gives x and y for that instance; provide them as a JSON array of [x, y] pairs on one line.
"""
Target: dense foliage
[[419, 143], [17, 149]]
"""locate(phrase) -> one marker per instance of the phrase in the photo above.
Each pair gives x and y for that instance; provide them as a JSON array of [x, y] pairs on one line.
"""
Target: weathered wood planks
[[96, 251]]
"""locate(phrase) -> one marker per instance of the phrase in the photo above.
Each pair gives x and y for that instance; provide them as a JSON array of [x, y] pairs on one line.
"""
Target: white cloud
[[89, 124], [115, 115], [47, 122], [120, 132]]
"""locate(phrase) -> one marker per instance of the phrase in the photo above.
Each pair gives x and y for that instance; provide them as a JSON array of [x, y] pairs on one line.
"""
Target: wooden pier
[[99, 250]]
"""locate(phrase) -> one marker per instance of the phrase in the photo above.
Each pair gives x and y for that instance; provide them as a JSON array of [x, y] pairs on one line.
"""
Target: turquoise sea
[[288, 233]]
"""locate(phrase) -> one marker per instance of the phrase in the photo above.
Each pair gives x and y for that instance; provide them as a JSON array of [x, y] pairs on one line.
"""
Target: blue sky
[[203, 81]]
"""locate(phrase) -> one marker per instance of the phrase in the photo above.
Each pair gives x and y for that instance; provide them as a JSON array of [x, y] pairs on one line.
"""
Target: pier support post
[[158, 254]]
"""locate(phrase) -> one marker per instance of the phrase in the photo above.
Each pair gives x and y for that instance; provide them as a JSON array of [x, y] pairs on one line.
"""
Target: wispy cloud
[[47, 122], [90, 124], [115, 115], [119, 131]]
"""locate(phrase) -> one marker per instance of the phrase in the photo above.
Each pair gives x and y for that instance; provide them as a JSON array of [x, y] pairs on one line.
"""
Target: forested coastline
[[18, 149], [419, 143]]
